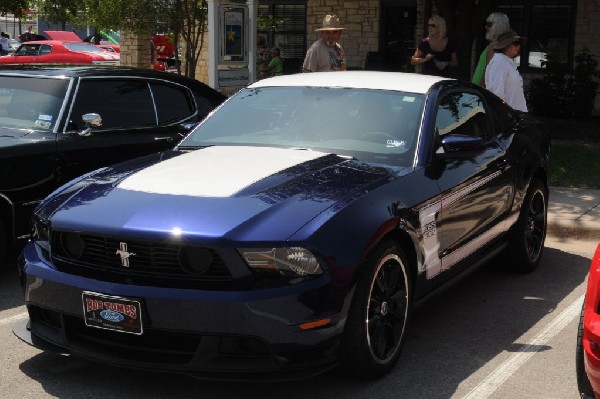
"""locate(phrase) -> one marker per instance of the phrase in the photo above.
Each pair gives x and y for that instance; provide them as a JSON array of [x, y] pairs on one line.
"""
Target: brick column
[[135, 50]]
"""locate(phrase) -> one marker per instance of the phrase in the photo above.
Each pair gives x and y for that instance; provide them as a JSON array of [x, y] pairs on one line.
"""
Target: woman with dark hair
[[435, 53], [501, 76]]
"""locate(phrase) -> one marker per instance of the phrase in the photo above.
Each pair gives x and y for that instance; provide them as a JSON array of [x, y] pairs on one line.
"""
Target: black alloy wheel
[[529, 233], [379, 314]]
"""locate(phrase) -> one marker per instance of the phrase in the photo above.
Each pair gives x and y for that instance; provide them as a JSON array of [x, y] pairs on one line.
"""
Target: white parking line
[[14, 318], [510, 366]]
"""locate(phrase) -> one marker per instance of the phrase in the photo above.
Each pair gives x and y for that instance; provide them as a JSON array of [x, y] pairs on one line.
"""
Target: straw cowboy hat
[[331, 22], [507, 38]]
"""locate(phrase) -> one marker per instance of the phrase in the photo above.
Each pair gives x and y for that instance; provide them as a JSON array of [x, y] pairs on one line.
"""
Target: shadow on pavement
[[449, 339]]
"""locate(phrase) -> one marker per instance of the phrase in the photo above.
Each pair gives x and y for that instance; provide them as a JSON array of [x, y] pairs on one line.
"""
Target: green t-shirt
[[276, 65], [479, 75]]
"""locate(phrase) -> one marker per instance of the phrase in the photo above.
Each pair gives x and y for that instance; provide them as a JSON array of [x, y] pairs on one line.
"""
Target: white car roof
[[397, 81]]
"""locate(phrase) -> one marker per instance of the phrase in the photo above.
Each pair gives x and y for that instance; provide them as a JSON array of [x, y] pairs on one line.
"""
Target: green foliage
[[562, 93], [137, 16], [270, 23], [58, 11]]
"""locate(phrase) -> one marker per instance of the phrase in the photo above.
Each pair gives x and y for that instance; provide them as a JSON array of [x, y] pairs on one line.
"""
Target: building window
[[284, 26], [549, 27]]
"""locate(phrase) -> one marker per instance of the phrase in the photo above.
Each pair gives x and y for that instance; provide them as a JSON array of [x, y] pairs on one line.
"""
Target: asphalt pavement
[[574, 213]]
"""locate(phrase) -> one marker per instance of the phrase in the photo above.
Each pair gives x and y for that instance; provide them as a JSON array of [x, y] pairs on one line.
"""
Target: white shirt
[[503, 79], [4, 43]]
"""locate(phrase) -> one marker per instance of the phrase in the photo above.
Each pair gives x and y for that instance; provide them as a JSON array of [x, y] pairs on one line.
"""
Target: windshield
[[371, 125], [31, 103], [83, 47]]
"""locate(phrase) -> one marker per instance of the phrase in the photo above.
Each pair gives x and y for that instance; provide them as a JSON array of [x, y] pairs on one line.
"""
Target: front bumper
[[239, 335]]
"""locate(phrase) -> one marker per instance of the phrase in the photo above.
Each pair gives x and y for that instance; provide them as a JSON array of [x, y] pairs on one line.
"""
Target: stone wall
[[359, 17], [202, 65], [135, 50]]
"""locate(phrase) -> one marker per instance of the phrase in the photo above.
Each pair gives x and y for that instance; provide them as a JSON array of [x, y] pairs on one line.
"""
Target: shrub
[[562, 93]]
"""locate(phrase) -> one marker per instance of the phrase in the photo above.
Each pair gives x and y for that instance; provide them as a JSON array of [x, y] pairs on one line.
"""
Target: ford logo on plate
[[113, 316]]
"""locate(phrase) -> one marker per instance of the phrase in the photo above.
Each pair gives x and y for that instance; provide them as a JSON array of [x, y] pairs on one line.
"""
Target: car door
[[476, 186], [133, 123]]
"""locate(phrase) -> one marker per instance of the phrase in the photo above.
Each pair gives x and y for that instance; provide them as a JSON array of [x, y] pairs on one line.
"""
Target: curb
[[573, 230]]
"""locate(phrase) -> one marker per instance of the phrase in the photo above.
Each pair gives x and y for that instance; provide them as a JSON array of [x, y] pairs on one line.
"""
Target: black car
[[58, 122]]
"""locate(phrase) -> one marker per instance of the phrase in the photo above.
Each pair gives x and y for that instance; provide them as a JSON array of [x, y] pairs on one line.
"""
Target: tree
[[16, 7], [59, 11], [190, 17], [185, 18], [465, 20]]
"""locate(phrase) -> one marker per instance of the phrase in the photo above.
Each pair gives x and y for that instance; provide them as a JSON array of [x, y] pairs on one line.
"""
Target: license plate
[[112, 313]]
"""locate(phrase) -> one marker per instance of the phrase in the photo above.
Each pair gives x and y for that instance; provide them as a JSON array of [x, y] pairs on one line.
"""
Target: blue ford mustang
[[295, 229]]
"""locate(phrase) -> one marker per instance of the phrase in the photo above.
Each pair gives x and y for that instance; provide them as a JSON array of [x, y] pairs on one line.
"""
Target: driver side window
[[461, 113]]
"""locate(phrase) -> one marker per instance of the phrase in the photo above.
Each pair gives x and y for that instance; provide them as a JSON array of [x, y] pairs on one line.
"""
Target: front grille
[[139, 262]]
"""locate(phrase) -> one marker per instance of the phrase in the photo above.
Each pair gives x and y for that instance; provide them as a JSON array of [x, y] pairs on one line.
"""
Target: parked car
[[13, 45], [294, 229], [59, 122], [587, 359], [64, 48]]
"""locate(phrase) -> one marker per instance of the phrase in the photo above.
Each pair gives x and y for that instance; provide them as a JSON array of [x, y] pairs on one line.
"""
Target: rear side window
[[122, 104], [173, 103]]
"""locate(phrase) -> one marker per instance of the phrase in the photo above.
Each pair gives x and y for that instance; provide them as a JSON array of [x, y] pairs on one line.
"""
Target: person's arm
[[310, 61], [453, 60], [420, 58]]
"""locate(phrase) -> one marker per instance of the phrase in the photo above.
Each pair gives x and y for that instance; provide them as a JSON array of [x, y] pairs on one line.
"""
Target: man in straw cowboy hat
[[501, 75], [326, 54]]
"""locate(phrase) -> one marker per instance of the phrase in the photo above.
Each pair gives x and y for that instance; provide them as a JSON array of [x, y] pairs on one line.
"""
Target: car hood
[[239, 193], [64, 36], [10, 137]]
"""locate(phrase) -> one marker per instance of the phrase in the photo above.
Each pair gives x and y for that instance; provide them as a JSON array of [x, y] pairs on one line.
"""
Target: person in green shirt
[[276, 63], [496, 23]]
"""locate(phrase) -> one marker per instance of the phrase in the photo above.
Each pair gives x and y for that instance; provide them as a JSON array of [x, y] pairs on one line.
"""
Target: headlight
[[40, 234], [40, 230], [290, 261]]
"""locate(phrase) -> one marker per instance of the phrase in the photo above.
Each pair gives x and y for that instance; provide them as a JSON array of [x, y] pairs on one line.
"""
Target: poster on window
[[233, 33]]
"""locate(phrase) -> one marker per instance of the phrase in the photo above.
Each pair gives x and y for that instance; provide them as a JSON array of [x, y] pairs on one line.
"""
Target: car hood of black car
[[234, 192]]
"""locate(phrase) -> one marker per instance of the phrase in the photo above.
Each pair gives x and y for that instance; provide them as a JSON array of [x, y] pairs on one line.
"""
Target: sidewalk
[[574, 213]]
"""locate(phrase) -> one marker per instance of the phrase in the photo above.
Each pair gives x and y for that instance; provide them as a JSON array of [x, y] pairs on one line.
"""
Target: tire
[[378, 317], [583, 383], [529, 234]]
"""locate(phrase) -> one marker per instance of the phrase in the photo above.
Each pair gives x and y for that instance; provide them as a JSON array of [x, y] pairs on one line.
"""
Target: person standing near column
[[326, 54]]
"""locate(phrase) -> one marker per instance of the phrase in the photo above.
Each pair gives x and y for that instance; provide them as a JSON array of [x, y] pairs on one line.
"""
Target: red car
[[587, 361], [62, 48]]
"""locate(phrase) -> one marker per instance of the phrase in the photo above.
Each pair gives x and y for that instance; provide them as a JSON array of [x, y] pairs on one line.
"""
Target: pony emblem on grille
[[122, 252]]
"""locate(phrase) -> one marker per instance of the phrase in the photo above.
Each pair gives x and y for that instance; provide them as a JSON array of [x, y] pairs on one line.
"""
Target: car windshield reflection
[[370, 125], [31, 103]]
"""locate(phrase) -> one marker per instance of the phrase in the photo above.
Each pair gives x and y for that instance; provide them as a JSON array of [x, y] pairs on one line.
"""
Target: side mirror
[[458, 145], [185, 128], [90, 120]]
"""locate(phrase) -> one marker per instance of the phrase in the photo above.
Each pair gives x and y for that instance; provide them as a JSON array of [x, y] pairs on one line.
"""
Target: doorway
[[397, 38]]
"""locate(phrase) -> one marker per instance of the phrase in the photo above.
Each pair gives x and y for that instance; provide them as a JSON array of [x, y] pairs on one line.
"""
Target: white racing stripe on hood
[[215, 171]]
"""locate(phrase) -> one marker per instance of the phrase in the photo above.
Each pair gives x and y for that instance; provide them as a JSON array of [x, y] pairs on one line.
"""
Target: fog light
[[73, 245], [195, 260]]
